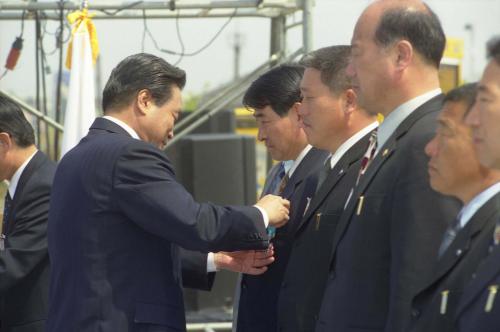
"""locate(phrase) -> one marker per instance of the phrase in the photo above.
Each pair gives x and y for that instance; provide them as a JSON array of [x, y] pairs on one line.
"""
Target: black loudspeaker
[[221, 122], [219, 168]]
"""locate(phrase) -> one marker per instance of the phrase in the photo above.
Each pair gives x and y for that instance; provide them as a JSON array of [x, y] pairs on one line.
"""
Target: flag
[[82, 53]]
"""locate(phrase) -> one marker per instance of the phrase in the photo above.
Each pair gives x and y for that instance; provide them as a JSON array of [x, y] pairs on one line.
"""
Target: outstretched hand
[[252, 262]]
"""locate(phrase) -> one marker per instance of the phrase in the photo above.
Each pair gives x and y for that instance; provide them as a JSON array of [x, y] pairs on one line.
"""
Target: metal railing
[[46, 128]]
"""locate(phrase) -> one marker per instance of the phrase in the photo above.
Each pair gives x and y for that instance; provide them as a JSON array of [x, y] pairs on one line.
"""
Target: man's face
[[369, 64], [484, 118], [5, 146], [321, 112], [160, 120], [453, 163], [280, 134]]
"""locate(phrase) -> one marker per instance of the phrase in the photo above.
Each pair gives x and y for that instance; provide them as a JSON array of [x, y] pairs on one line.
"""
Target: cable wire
[[183, 53]]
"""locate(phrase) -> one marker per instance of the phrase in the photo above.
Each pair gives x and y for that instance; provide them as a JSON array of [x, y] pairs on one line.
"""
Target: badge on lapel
[[308, 199]]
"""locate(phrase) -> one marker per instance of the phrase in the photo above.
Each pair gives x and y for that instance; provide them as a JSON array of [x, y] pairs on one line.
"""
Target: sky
[[474, 21]]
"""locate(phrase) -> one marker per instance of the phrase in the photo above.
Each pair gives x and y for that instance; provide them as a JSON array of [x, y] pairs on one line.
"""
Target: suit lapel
[[384, 154], [32, 166], [463, 240], [390, 146], [350, 157], [487, 270], [333, 178], [311, 160]]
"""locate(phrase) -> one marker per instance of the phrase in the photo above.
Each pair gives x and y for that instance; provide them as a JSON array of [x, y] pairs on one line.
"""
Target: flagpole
[[82, 53]]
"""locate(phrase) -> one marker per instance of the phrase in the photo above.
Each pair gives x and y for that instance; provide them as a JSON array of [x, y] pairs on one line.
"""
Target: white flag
[[80, 108]]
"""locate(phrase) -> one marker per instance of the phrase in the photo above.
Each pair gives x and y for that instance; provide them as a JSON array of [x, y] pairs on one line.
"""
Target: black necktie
[[6, 210], [323, 174], [449, 235]]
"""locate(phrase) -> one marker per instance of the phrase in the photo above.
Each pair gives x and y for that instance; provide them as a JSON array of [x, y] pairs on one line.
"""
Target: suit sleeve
[[194, 270], [146, 191], [26, 244]]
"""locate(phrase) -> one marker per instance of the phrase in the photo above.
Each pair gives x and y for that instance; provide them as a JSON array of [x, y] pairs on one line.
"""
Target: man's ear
[[294, 111], [403, 54], [5, 142], [350, 101], [143, 101]]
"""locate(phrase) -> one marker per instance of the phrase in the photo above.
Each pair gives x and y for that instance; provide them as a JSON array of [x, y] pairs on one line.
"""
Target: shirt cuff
[[264, 215], [211, 263]]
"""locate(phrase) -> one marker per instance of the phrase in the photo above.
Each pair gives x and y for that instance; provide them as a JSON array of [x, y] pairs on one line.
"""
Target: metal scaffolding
[[282, 14]]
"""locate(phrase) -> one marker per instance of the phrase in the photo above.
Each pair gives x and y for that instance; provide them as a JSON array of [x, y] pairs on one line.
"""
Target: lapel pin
[[385, 153], [360, 205], [444, 302], [318, 219], [308, 202], [491, 298]]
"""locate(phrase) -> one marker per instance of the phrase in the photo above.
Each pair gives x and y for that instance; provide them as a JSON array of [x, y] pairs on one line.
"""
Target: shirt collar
[[291, 165], [470, 209], [123, 125], [17, 175], [339, 153], [400, 113]]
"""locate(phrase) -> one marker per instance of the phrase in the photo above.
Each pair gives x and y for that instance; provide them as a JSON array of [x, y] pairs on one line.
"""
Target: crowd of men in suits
[[382, 212]]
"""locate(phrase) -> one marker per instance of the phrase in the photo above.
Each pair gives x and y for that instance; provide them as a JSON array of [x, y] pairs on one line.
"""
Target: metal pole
[[278, 35], [307, 27], [146, 5], [221, 96], [278, 46], [33, 111], [246, 12]]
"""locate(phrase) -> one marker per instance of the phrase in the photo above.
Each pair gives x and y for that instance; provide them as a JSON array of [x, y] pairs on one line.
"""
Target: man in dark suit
[[479, 307], [455, 170], [333, 121], [117, 213], [275, 98], [24, 259], [393, 222]]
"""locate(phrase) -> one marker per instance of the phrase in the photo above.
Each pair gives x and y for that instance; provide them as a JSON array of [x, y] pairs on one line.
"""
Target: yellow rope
[[77, 18]]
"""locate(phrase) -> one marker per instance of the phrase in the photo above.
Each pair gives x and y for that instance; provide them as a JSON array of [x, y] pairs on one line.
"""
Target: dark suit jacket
[[391, 228], [194, 270], [453, 270], [24, 264], [305, 277], [117, 215], [472, 313], [257, 309]]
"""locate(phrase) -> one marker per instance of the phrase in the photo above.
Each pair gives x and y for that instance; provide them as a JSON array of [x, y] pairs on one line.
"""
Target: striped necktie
[[369, 154], [323, 174], [449, 235]]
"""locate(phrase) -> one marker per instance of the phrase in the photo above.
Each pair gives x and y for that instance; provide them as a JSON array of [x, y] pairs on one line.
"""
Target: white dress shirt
[[400, 113], [340, 152], [17, 175], [470, 209], [123, 125], [291, 165]]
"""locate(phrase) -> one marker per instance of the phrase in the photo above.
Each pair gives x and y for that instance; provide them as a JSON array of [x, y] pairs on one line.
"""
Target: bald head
[[410, 20]]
